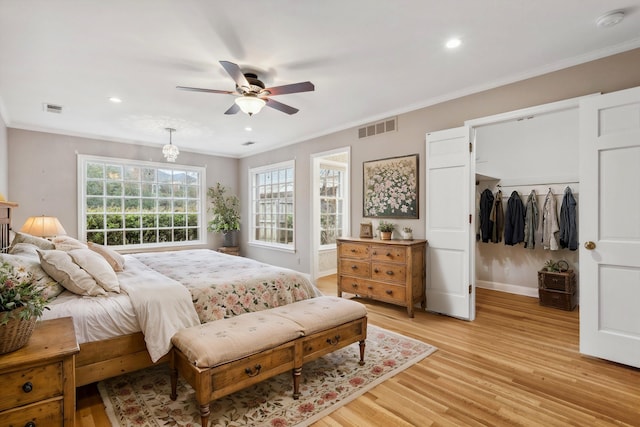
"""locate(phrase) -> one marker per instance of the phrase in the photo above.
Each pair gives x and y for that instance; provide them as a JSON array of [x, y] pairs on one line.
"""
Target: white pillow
[[24, 266], [34, 240], [66, 243], [60, 266], [25, 249], [115, 260], [97, 267]]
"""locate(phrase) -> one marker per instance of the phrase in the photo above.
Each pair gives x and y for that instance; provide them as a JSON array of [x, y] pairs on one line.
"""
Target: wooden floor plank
[[517, 364]]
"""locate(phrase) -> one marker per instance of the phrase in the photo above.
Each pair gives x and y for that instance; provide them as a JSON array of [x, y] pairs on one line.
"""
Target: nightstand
[[38, 380], [230, 250]]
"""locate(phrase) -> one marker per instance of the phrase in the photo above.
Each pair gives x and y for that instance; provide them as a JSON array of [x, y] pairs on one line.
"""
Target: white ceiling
[[368, 59]]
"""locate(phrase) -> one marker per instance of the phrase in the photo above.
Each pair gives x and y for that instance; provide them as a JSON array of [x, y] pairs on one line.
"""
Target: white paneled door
[[609, 227], [449, 199]]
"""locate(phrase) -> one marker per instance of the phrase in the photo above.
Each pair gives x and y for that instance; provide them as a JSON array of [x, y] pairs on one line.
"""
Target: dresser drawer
[[387, 292], [354, 250], [30, 385], [388, 253], [389, 272], [48, 413], [355, 268], [330, 340]]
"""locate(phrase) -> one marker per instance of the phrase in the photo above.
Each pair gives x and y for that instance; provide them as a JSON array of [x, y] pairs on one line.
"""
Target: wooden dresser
[[38, 380], [387, 270]]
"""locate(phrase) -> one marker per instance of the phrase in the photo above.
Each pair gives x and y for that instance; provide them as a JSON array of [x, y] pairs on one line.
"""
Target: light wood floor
[[516, 364]]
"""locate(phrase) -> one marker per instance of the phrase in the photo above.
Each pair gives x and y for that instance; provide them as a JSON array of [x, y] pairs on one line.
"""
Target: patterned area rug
[[142, 398]]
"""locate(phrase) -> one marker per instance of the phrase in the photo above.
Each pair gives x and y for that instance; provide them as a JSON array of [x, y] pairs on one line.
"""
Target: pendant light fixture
[[170, 151]]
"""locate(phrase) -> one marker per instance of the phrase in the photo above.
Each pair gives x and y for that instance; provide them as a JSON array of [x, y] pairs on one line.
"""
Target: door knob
[[590, 245]]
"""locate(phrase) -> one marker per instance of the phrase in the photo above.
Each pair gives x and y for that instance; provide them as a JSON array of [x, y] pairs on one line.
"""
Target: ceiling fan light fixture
[[170, 151], [250, 104]]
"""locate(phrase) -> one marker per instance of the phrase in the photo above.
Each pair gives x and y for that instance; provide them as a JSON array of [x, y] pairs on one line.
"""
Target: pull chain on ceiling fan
[[251, 93]]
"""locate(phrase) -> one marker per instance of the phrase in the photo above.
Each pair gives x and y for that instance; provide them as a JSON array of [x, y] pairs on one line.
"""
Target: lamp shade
[[43, 226], [250, 104]]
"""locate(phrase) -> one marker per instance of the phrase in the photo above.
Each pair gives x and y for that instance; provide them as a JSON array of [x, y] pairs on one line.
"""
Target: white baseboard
[[509, 288]]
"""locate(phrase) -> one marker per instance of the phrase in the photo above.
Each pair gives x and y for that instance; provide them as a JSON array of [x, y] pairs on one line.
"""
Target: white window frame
[[83, 160], [328, 164], [289, 164]]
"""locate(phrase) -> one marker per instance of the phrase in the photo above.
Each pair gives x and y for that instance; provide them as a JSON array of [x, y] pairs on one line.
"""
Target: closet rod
[[546, 184]]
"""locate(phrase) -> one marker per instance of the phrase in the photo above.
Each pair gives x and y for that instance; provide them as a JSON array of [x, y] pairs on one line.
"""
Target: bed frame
[[104, 359]]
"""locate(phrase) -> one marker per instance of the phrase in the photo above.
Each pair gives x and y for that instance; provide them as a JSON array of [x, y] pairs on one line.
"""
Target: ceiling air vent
[[387, 125], [52, 108]]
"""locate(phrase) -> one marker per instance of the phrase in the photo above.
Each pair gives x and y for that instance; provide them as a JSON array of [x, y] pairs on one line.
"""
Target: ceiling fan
[[251, 93]]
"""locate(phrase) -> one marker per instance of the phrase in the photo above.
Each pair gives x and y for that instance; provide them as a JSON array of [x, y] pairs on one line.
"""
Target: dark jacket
[[514, 220], [568, 229], [486, 225]]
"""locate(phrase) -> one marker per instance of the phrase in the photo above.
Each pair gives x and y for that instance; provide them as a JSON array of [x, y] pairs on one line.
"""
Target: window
[[272, 205], [332, 201], [127, 204]]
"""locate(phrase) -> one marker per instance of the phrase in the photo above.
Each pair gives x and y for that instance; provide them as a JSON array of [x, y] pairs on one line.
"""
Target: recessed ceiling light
[[453, 43], [610, 19], [248, 129], [115, 100]]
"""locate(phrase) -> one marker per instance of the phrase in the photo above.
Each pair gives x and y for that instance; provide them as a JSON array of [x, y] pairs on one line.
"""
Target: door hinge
[[470, 219], [471, 147], [470, 289]]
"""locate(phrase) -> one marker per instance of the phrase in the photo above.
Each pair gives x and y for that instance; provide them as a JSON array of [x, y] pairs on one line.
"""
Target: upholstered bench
[[223, 356]]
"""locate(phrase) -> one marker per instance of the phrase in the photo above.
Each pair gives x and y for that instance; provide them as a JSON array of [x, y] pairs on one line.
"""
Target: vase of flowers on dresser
[[21, 304], [386, 230]]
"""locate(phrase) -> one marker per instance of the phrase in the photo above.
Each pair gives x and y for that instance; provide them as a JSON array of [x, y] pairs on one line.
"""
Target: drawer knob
[[389, 291], [334, 340], [253, 372], [353, 250], [27, 387], [388, 253], [390, 272], [375, 253], [369, 287], [355, 285], [30, 424], [375, 270], [354, 267]]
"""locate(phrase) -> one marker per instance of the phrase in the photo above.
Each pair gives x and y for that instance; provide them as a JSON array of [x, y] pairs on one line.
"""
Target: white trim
[[508, 287]]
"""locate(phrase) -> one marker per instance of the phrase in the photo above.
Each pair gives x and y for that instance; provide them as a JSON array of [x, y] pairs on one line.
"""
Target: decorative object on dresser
[[557, 285], [21, 304], [392, 271], [38, 381], [390, 187], [226, 214], [407, 233], [366, 230], [386, 230]]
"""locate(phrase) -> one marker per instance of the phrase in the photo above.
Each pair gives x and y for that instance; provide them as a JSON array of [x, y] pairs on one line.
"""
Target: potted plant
[[407, 233], [386, 229], [21, 304], [226, 214]]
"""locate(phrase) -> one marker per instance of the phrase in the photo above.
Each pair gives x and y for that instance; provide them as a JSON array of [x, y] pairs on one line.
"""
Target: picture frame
[[390, 188], [366, 231]]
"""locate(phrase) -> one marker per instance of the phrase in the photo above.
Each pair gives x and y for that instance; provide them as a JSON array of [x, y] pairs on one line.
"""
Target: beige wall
[[4, 161], [605, 75], [43, 178]]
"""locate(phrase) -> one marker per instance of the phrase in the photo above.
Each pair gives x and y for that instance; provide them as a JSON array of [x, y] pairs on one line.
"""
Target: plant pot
[[408, 236], [16, 333], [230, 238], [385, 235]]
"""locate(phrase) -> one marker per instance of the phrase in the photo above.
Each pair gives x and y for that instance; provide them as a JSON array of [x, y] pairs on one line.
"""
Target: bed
[[159, 293]]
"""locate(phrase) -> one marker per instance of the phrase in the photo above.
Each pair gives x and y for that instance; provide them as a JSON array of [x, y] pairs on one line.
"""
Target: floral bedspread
[[224, 285]]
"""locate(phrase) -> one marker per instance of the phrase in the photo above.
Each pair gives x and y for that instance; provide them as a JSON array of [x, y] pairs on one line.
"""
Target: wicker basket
[[16, 333]]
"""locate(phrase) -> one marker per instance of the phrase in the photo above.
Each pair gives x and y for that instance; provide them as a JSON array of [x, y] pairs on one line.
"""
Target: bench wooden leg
[[297, 373], [362, 345], [174, 381], [204, 415]]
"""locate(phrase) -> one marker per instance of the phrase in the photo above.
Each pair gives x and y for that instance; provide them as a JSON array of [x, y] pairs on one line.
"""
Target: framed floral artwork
[[391, 187]]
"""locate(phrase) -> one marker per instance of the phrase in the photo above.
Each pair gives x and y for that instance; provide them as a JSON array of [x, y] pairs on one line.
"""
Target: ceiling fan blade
[[235, 73], [197, 89], [280, 106], [233, 109], [292, 88]]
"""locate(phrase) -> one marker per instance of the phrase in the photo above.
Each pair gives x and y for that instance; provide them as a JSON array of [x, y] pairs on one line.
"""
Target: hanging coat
[[550, 227], [568, 230], [486, 225], [497, 217], [530, 221], [514, 220]]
